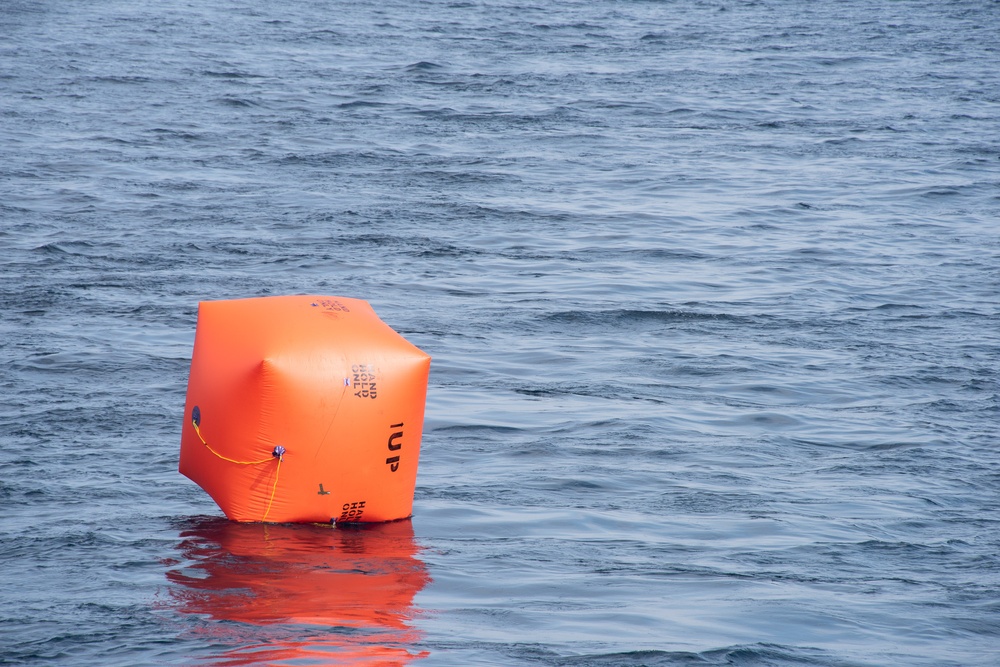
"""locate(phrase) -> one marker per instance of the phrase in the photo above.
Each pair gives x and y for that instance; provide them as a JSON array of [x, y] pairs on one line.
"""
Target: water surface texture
[[712, 290]]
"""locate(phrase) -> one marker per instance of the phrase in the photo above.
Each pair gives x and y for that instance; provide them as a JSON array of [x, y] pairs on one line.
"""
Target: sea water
[[711, 289]]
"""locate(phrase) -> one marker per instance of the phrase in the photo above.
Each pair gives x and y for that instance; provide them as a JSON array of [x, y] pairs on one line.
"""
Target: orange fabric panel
[[322, 377]]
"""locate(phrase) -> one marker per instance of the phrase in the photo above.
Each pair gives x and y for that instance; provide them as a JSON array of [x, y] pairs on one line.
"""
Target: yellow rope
[[273, 487], [224, 458], [277, 470]]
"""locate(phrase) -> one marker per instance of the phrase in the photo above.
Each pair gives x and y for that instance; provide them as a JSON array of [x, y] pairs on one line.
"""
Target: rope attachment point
[[277, 453]]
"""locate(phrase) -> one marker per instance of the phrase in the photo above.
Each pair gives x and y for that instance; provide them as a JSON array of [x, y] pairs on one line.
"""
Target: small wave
[[664, 254], [230, 74], [121, 79], [754, 654], [654, 37], [444, 112], [56, 248], [235, 102], [454, 429], [361, 104], [163, 133], [325, 35], [423, 66], [627, 316]]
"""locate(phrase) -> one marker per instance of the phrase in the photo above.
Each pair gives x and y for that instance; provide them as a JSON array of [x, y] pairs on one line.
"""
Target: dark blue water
[[712, 291]]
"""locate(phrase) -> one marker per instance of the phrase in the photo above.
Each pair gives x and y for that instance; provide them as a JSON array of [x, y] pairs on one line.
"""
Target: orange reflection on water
[[301, 594]]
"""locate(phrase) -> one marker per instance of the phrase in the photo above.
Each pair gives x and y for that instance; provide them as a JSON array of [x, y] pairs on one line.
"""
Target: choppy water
[[711, 290]]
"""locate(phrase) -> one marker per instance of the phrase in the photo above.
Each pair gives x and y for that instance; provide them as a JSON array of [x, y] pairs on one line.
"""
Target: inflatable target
[[303, 409]]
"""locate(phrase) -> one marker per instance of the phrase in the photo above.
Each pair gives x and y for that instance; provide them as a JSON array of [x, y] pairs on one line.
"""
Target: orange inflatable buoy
[[303, 409]]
